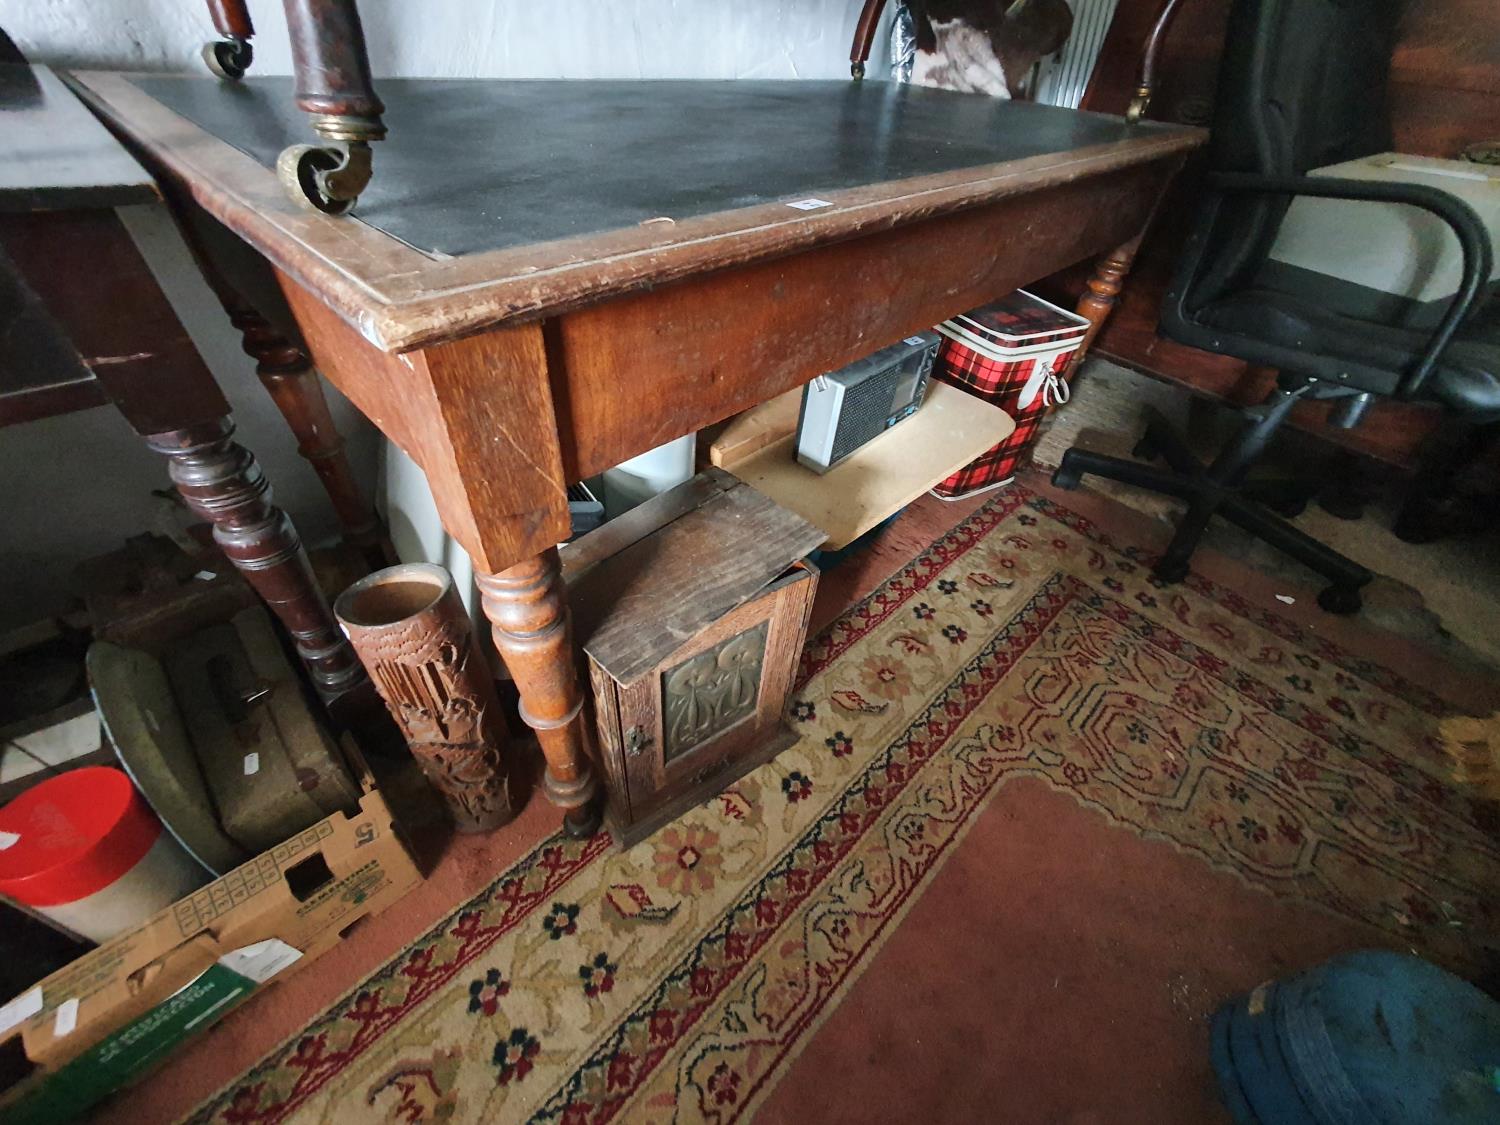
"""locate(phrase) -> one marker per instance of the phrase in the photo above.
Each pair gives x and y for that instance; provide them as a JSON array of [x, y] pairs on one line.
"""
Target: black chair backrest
[[1302, 84]]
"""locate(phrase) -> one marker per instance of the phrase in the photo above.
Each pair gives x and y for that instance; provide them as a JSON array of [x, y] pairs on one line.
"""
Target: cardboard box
[[106, 1018]]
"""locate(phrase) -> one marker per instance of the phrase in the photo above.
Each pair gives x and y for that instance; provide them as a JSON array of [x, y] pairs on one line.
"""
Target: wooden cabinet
[[691, 611]]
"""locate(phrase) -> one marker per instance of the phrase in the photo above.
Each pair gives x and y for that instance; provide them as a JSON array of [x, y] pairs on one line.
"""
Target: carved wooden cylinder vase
[[410, 629]]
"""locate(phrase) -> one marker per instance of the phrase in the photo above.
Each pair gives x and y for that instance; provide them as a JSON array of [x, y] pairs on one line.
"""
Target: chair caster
[[1169, 573], [1066, 478], [1342, 600], [1146, 449]]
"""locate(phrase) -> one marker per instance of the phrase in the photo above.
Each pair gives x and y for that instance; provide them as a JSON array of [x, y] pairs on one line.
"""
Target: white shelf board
[[882, 477]]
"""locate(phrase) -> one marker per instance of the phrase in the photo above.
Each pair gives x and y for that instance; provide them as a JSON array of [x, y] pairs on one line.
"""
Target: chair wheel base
[[1342, 600]]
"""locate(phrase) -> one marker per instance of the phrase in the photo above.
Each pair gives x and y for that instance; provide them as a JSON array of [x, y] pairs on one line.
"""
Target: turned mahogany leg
[[221, 482], [529, 616], [1103, 292], [335, 88], [287, 373]]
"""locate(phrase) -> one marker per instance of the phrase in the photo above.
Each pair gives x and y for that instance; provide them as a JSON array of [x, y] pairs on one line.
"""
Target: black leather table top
[[473, 165]]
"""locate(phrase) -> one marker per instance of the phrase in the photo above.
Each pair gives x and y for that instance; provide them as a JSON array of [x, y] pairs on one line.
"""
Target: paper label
[[261, 961], [8, 840], [21, 1009], [205, 576], [67, 1017], [913, 340], [810, 204], [252, 763]]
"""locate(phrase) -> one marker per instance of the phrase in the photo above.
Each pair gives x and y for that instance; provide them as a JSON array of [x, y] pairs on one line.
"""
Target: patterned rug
[[678, 980]]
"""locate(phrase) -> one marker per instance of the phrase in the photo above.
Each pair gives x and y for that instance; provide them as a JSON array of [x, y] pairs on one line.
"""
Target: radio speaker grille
[[866, 407]]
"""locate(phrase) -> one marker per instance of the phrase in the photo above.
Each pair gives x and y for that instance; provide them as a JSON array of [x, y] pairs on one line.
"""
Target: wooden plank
[[756, 428], [583, 554], [881, 478], [400, 299], [55, 154], [635, 609]]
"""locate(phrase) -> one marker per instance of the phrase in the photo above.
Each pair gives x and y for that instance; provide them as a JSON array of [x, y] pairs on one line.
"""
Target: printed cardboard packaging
[[107, 1017]]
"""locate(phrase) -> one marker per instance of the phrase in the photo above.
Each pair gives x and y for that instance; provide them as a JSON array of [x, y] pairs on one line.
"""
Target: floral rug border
[[559, 860]]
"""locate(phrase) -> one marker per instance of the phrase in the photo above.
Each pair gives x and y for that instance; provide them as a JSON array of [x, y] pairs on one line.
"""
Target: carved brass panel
[[709, 693]]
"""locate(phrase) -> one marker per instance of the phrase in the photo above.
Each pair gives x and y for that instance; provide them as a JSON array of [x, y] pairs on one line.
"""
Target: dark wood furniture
[[691, 610], [550, 277], [82, 321]]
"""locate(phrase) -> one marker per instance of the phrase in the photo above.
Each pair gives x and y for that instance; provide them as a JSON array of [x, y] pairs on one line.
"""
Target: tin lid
[[1019, 322], [73, 835]]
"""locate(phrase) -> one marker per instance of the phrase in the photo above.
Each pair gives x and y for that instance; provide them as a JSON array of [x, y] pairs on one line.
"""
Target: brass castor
[[228, 58], [326, 180]]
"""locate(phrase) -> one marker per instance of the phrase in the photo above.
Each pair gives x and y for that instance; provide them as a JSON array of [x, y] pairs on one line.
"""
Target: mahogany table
[[543, 279], [83, 323]]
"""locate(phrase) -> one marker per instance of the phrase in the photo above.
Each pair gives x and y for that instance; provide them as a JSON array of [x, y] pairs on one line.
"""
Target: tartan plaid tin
[[1016, 344]]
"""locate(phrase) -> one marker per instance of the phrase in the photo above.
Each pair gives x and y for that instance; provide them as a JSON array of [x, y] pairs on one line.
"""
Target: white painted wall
[[486, 38], [76, 486]]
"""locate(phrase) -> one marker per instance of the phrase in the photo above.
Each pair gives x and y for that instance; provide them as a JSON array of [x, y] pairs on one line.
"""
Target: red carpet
[[1045, 816]]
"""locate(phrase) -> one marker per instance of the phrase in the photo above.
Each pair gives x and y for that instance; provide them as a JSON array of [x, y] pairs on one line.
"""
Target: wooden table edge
[[399, 298]]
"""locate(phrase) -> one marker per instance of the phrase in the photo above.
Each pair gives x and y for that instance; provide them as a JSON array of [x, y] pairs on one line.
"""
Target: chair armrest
[[1473, 241]]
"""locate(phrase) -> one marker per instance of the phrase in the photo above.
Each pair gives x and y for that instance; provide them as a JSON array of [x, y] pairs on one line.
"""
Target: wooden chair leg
[[529, 615], [220, 481], [287, 373]]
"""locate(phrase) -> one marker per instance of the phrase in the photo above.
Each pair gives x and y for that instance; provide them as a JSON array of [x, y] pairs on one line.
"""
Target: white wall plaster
[[474, 38], [77, 485]]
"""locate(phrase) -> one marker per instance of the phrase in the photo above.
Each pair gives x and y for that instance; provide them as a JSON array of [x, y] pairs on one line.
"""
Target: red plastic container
[[85, 849], [1014, 353]]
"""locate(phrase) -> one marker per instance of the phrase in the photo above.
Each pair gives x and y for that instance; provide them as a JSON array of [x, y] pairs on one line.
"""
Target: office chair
[[1302, 85]]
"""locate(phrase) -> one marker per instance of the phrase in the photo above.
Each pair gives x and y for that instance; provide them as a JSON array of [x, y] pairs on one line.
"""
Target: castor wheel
[[228, 58], [305, 171], [1146, 449], [1169, 572], [1342, 600]]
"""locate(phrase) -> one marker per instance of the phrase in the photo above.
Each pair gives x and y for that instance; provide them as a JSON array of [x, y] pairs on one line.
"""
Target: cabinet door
[[716, 700]]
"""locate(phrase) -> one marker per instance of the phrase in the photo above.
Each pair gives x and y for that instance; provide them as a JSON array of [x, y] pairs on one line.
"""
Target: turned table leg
[[335, 88], [287, 373], [1103, 292], [529, 615], [220, 481]]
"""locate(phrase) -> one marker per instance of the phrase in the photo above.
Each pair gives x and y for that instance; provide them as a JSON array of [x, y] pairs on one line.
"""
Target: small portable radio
[[846, 408]]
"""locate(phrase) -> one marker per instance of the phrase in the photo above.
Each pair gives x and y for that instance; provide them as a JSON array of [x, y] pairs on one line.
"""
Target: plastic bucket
[[85, 849]]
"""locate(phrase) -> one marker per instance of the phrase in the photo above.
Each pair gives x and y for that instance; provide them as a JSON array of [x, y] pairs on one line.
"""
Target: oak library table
[[542, 279]]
